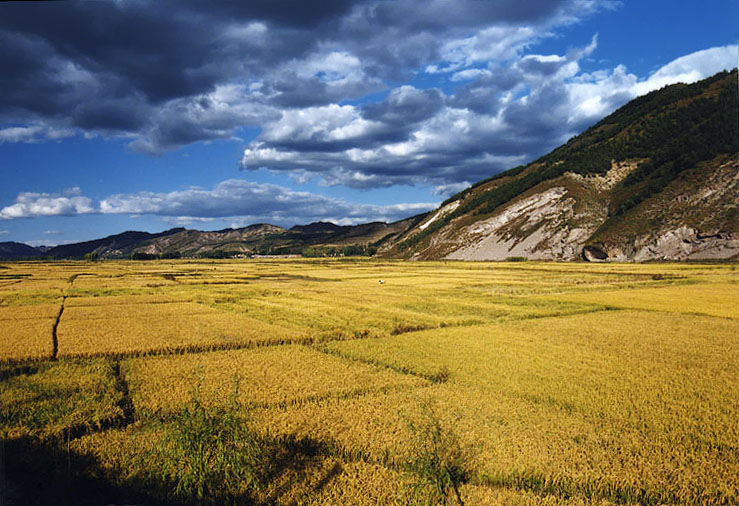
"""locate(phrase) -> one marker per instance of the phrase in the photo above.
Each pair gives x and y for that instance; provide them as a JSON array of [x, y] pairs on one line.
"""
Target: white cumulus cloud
[[233, 198], [31, 205], [33, 133]]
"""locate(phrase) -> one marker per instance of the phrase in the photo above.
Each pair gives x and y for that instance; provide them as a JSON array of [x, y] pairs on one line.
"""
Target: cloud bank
[[334, 87], [242, 201]]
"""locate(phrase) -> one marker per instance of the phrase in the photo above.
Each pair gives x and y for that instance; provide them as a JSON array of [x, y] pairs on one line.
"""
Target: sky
[[147, 115]]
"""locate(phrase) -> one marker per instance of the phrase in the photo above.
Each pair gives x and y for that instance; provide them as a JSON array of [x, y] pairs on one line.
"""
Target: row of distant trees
[[352, 250]]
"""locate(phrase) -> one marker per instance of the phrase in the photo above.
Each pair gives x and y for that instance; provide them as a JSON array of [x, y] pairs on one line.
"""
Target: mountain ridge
[[318, 238]]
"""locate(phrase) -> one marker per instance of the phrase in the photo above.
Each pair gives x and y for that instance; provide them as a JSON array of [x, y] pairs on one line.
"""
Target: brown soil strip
[[54, 338]]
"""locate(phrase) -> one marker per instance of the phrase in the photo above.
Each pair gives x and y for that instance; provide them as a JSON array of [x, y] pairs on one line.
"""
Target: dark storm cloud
[[439, 15], [146, 47], [58, 55], [288, 90], [126, 114], [406, 105], [31, 81], [293, 13], [61, 61], [482, 94]]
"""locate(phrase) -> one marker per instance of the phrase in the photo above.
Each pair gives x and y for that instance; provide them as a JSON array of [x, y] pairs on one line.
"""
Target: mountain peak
[[317, 227]]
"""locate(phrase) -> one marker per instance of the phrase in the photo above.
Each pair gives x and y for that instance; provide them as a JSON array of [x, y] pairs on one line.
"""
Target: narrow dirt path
[[54, 336]]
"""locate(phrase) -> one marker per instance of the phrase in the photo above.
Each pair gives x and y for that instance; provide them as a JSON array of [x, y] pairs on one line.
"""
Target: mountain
[[320, 238], [193, 243], [318, 227], [315, 239], [114, 245], [656, 180], [18, 250]]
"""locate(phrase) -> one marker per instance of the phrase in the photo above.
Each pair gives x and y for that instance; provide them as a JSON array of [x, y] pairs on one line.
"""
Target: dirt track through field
[[54, 338]]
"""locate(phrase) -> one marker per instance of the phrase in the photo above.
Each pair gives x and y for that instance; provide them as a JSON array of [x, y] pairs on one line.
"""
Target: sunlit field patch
[[143, 328], [620, 387], [269, 377], [716, 299], [18, 314], [26, 331], [26, 339]]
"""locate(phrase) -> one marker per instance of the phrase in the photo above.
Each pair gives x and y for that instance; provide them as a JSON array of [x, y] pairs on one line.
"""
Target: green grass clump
[[209, 454], [437, 462]]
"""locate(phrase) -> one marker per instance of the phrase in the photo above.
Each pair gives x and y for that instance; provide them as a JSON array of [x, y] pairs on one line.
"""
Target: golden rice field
[[556, 384]]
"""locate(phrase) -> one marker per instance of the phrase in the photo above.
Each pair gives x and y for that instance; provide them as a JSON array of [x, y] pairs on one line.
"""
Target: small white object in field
[[382, 282]]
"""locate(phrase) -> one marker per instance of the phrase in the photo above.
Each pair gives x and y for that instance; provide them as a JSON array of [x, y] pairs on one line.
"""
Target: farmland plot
[[563, 384]]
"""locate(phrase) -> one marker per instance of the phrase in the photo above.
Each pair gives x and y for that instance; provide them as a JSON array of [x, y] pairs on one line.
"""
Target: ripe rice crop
[[17, 314], [595, 387], [26, 331], [271, 377], [144, 328], [22, 297], [304, 479], [565, 384], [26, 339], [76, 300], [715, 299], [324, 480]]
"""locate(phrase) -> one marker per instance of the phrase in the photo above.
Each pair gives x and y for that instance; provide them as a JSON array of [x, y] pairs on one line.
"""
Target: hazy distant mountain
[[657, 179], [18, 250], [114, 245], [271, 239], [316, 239]]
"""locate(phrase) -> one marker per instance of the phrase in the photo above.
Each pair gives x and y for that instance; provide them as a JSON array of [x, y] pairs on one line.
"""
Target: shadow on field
[[36, 473], [289, 462], [18, 370]]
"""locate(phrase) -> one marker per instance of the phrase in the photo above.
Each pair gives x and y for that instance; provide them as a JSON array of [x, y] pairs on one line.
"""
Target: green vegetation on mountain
[[668, 131]]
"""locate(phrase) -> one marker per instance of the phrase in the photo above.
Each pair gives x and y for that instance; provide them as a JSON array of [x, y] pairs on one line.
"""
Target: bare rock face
[[693, 222], [560, 222], [539, 227], [568, 219], [682, 243], [594, 254], [443, 211]]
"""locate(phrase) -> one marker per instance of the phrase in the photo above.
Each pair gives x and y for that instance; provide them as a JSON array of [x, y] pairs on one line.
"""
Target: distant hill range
[[18, 250], [315, 239], [656, 180]]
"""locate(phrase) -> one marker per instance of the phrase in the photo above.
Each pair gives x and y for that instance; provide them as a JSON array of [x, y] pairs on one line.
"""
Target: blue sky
[[147, 115]]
